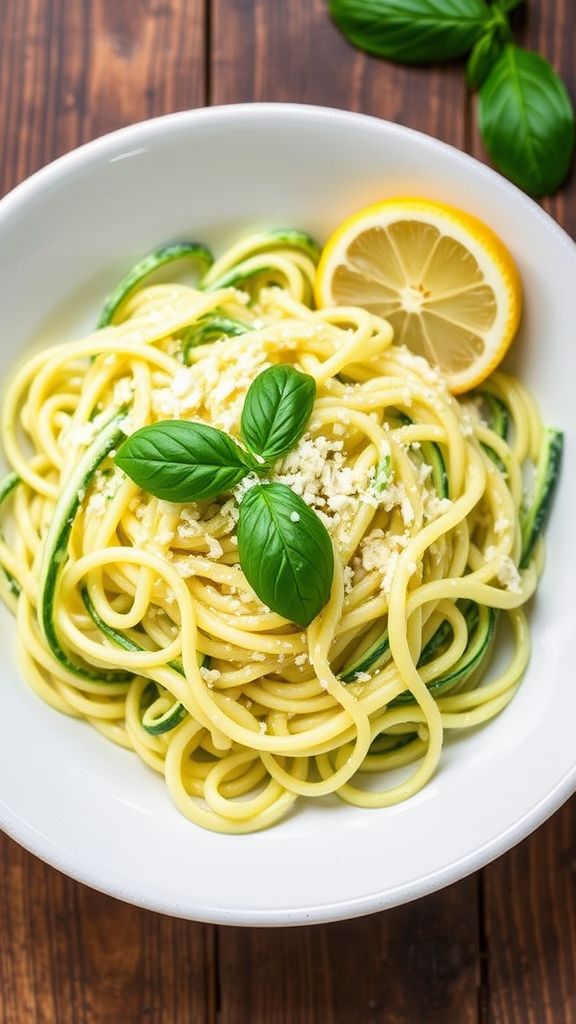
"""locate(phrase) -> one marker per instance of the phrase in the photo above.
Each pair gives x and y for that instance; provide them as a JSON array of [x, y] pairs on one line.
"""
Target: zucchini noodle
[[133, 613]]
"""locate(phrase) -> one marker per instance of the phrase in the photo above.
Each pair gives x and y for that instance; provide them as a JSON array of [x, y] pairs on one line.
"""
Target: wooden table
[[497, 948]]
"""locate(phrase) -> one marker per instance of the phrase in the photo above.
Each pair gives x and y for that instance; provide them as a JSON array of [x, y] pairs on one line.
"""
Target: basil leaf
[[527, 121], [413, 31], [276, 410], [285, 552], [484, 55], [180, 461]]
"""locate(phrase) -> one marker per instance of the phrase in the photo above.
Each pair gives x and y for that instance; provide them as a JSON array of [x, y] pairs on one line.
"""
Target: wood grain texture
[[530, 915], [290, 51], [70, 71], [69, 955], [413, 965], [530, 894]]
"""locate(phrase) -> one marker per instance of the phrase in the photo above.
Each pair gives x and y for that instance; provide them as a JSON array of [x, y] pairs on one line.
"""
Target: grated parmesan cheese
[[348, 574], [380, 552], [184, 567], [105, 488], [213, 389], [215, 549], [210, 675], [506, 570], [123, 391]]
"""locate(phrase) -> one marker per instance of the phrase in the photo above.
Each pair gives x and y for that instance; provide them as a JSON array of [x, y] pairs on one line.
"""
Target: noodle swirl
[[241, 711]]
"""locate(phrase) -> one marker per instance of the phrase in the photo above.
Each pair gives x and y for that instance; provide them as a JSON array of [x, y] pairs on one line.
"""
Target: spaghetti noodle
[[133, 612]]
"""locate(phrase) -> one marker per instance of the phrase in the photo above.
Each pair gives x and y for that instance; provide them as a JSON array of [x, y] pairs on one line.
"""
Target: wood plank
[[68, 72], [420, 962], [530, 910], [74, 956], [264, 50], [412, 964], [72, 71]]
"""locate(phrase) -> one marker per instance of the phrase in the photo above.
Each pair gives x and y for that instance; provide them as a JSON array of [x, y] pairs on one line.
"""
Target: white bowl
[[95, 811]]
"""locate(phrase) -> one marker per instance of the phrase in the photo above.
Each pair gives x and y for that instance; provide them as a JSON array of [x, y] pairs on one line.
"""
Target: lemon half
[[441, 277]]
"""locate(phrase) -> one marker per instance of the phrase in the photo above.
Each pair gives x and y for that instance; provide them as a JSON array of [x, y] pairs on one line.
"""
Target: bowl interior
[[95, 811]]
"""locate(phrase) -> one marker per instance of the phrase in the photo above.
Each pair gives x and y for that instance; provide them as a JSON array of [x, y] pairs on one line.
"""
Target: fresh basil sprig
[[276, 410], [526, 115], [181, 461], [527, 120], [285, 552]]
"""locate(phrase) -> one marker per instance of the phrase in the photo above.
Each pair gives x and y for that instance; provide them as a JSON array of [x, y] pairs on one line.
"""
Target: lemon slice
[[443, 279]]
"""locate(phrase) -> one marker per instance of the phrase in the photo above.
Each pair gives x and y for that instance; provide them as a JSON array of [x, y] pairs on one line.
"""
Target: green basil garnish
[[180, 461], [412, 31], [276, 410], [527, 120], [526, 115], [285, 552]]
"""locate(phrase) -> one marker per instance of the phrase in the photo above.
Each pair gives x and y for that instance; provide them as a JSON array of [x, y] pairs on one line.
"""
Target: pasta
[[133, 612]]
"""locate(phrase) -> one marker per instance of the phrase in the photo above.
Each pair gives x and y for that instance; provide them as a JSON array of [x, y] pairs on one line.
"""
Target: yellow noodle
[[276, 713]]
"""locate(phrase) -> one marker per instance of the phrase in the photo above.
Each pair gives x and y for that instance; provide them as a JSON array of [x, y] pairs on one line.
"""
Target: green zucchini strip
[[7, 486], [210, 328], [245, 271], [385, 743], [148, 265], [153, 724], [375, 657], [257, 244], [547, 476], [378, 654], [156, 724], [498, 417], [432, 454], [481, 621], [435, 643], [56, 546]]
